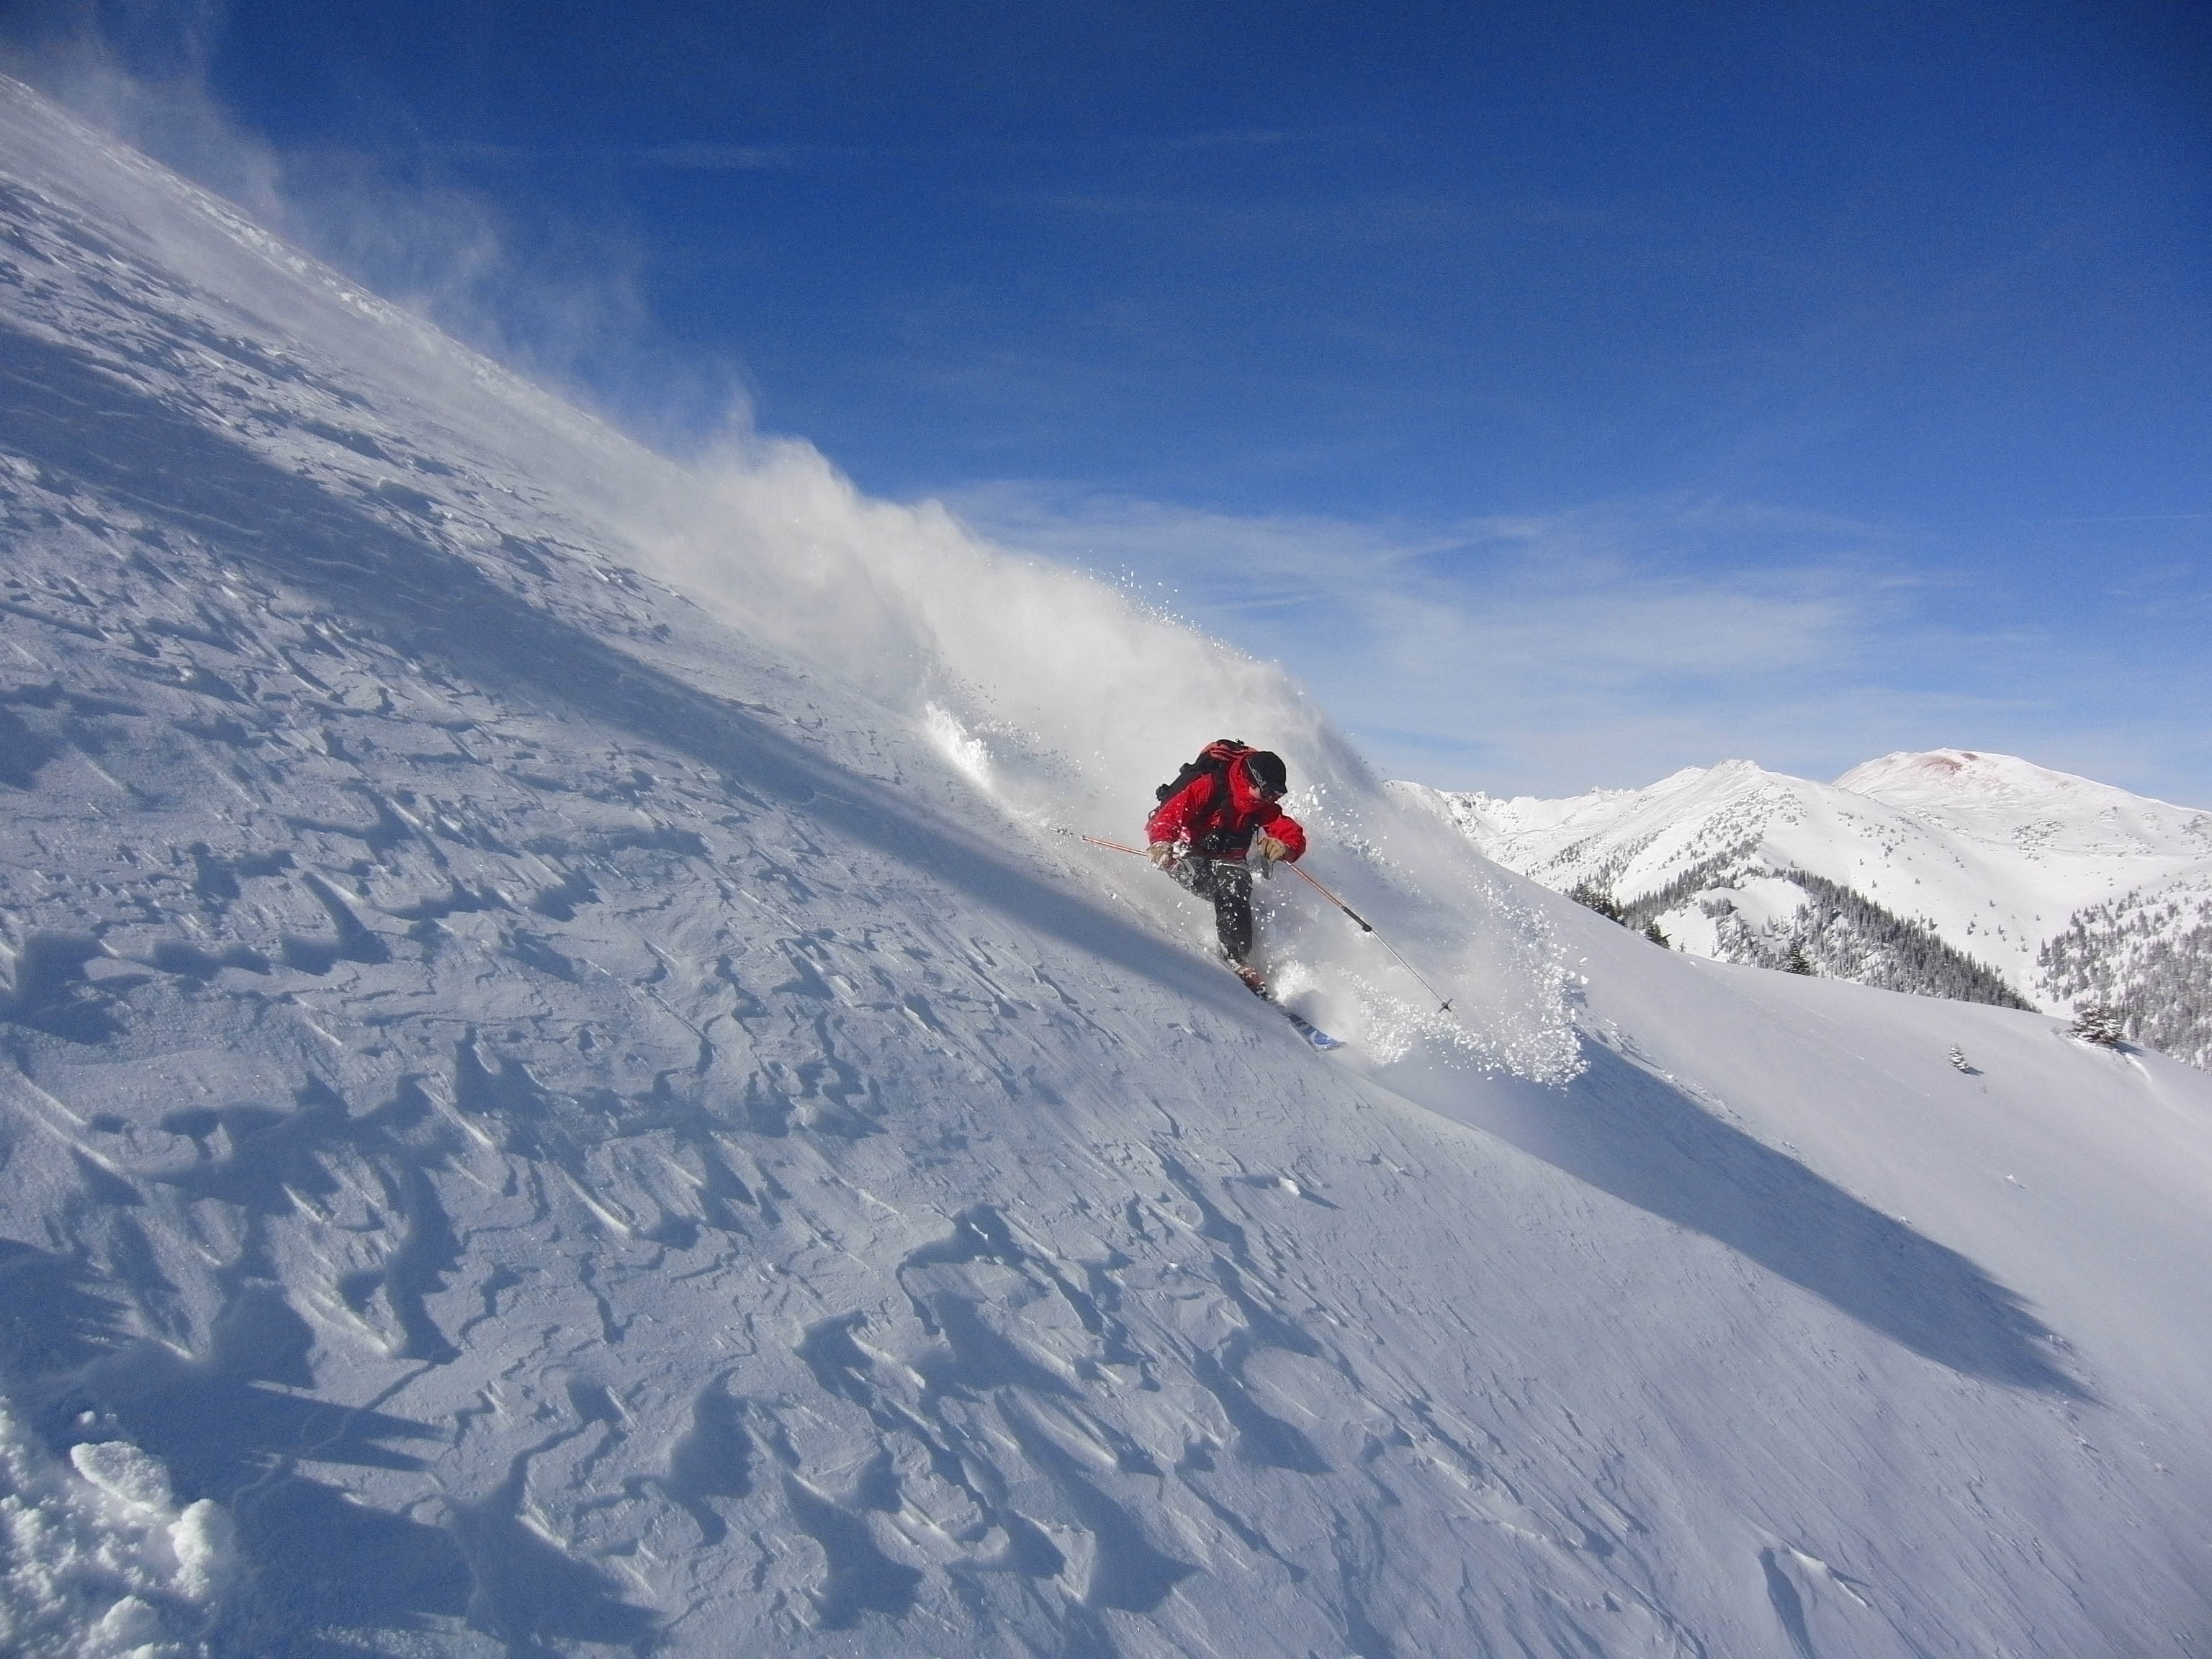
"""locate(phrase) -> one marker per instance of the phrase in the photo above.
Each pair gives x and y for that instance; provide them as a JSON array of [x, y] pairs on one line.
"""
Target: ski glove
[[1271, 851], [1161, 853]]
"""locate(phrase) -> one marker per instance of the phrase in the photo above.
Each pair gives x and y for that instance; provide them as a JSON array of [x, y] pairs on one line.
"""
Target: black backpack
[[1212, 762]]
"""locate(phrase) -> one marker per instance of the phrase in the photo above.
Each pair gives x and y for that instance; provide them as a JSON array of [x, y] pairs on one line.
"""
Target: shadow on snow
[[1637, 1136]]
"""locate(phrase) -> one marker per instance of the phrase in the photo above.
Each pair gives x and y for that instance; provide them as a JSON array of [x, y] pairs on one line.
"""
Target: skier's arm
[[1286, 830], [1171, 822]]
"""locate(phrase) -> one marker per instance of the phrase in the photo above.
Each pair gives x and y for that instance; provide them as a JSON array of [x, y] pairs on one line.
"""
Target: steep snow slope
[[545, 1114], [1997, 856]]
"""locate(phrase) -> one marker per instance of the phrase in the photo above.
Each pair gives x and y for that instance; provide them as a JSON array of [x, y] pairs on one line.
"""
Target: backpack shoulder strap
[[1212, 760]]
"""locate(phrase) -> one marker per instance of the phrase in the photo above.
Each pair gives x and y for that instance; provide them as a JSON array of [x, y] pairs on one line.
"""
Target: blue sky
[[1567, 392]]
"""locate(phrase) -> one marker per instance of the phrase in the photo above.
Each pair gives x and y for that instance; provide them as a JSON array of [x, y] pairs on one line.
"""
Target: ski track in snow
[[569, 1130]]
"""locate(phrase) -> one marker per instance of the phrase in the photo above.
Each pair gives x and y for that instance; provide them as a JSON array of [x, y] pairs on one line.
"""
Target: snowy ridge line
[[582, 1118], [880, 577], [1952, 874]]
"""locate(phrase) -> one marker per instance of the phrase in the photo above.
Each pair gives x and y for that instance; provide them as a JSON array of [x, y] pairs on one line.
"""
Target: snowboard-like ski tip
[[1313, 1033]]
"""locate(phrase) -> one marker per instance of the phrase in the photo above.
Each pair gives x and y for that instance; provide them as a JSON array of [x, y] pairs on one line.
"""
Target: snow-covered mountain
[[560, 1091], [1950, 873]]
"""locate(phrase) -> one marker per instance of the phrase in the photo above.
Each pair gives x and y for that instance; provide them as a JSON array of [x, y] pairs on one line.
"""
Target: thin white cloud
[[1546, 654], [562, 301]]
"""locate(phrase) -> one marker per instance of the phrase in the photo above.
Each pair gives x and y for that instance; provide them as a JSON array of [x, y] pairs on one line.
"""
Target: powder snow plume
[[1067, 702], [564, 1092]]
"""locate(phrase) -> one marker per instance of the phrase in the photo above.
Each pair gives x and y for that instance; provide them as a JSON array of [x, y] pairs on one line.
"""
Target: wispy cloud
[[560, 299], [1608, 644]]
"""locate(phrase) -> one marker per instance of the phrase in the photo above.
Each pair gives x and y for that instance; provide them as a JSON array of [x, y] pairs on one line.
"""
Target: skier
[[1203, 829]]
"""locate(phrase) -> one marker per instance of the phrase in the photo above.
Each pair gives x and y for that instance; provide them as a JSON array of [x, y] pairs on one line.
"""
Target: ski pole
[[1443, 1003], [1365, 925], [1114, 846]]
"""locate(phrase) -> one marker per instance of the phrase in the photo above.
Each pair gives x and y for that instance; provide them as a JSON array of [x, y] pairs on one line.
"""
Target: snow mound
[[102, 1562]]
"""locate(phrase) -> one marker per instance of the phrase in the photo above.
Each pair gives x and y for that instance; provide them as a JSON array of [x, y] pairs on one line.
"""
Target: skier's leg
[[1194, 874], [1232, 910]]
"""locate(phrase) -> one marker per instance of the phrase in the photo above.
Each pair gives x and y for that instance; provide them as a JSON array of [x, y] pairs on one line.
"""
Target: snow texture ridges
[[578, 1120]]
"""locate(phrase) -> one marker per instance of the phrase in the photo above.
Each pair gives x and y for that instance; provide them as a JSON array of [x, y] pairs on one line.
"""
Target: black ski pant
[[1229, 884]]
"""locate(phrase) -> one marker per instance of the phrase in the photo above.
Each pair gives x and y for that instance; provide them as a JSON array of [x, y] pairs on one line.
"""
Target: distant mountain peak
[[1907, 762], [1949, 872], [1943, 773]]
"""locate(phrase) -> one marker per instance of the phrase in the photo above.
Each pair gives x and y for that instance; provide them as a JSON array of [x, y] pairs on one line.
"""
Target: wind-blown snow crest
[[1058, 695]]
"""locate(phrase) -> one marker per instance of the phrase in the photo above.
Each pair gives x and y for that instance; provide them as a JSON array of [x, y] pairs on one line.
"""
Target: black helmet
[[1265, 768]]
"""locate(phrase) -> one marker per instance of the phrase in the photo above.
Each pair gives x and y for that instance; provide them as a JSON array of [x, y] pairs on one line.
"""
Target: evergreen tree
[[2094, 1022], [1843, 935], [2147, 961], [1591, 897]]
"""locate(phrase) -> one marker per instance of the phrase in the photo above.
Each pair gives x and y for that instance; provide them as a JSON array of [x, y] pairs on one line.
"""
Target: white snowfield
[[1996, 854], [561, 1092]]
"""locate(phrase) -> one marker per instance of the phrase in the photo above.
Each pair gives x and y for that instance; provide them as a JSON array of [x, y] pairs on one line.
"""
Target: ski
[[1250, 977], [1311, 1032]]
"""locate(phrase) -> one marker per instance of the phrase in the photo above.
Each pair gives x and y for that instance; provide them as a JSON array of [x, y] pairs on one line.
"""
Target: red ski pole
[[1112, 846], [1366, 925], [1443, 1003]]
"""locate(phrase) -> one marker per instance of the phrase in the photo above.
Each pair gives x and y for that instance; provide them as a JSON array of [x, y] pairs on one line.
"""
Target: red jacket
[[1223, 828]]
